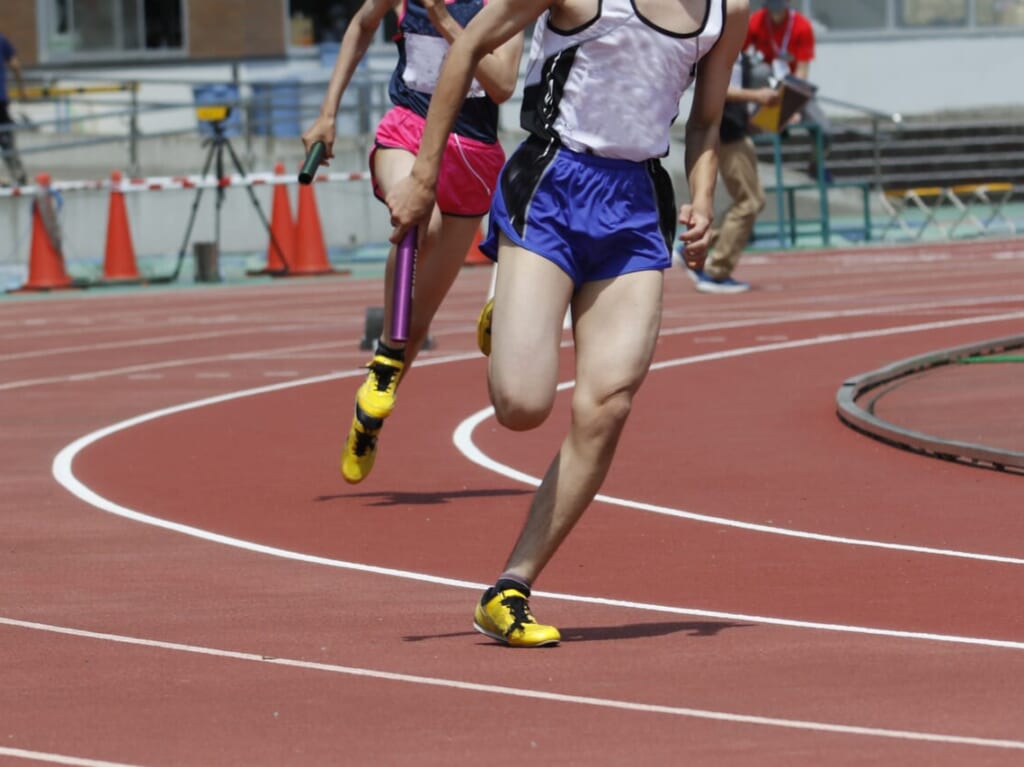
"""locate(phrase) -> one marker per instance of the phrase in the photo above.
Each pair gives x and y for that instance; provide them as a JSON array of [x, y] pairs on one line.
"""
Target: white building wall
[[921, 76], [914, 77]]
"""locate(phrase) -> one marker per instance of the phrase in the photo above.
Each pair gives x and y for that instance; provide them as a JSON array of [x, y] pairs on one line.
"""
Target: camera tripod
[[215, 157]]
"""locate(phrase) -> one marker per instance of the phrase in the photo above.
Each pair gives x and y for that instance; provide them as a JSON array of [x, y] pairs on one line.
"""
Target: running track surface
[[187, 580]]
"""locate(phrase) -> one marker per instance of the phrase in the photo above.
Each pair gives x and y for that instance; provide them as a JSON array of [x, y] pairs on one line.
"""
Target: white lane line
[[689, 329], [148, 342], [42, 756], [463, 439], [63, 473], [709, 339], [519, 692], [167, 364], [810, 315]]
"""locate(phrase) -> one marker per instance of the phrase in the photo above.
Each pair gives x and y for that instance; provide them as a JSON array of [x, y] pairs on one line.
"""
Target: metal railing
[[877, 119], [787, 223], [58, 117]]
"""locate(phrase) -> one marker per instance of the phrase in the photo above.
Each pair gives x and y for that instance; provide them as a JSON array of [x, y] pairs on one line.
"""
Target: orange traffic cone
[[119, 259], [281, 249], [46, 262], [310, 250], [473, 256]]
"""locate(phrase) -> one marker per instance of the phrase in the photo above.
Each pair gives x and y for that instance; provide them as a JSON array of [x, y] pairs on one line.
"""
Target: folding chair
[[925, 199], [992, 195]]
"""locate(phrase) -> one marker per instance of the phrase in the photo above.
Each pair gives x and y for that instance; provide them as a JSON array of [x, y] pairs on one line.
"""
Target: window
[[162, 24], [111, 28], [1000, 13], [313, 21], [932, 13], [843, 15], [916, 17]]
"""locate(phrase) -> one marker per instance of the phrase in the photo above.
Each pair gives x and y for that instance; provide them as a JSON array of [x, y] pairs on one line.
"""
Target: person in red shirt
[[783, 37], [785, 40]]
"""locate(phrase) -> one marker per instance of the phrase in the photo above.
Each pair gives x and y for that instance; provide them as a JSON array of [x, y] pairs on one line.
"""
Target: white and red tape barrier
[[159, 183]]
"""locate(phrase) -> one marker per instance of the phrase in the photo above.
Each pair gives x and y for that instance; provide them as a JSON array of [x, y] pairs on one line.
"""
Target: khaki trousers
[[737, 165]]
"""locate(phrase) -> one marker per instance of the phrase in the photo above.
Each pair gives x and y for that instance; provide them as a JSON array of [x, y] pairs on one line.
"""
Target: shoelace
[[383, 375], [520, 611], [365, 442]]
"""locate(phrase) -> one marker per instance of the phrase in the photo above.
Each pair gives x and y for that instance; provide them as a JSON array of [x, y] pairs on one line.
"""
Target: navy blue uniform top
[[421, 51], [6, 54]]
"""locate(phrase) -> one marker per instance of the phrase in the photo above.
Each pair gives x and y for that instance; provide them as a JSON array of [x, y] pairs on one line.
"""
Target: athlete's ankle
[[391, 352], [507, 582]]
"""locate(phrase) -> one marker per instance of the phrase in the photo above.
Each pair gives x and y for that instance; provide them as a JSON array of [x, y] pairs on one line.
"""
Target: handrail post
[[780, 198], [819, 162], [876, 151], [133, 132], [243, 106]]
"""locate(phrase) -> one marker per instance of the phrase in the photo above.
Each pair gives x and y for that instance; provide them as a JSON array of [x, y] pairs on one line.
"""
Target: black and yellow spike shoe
[[483, 328], [360, 450], [377, 395], [506, 616]]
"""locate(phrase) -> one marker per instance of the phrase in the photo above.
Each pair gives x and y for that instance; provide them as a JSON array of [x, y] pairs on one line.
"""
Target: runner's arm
[[497, 72], [412, 199], [702, 141], [354, 43]]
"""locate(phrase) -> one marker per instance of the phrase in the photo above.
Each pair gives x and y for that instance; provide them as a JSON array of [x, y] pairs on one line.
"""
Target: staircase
[[937, 151]]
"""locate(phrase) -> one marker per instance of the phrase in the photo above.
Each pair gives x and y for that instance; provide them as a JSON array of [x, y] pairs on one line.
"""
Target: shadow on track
[[392, 498], [625, 631]]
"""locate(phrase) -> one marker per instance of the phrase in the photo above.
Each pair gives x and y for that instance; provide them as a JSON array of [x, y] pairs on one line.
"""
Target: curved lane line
[[519, 692], [463, 438], [42, 756], [64, 474]]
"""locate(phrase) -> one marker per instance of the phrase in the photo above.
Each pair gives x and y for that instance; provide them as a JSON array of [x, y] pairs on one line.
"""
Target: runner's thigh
[[616, 326], [531, 297]]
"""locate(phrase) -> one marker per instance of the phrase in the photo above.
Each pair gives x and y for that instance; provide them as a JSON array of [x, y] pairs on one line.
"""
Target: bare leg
[[531, 296], [616, 327], [437, 266]]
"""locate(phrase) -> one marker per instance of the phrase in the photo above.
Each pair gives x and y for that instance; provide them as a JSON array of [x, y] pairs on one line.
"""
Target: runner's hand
[[437, 12], [411, 202], [323, 129], [697, 235]]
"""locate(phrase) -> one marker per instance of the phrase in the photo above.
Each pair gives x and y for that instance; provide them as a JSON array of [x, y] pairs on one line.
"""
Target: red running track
[[187, 580]]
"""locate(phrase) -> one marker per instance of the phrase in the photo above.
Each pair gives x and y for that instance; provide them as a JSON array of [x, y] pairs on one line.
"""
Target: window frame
[[56, 48], [892, 30]]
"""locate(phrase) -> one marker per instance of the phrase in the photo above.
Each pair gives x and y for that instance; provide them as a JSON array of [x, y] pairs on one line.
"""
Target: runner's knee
[[519, 408], [601, 416]]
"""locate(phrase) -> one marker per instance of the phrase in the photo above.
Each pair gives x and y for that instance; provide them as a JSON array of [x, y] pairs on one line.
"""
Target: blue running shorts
[[595, 217]]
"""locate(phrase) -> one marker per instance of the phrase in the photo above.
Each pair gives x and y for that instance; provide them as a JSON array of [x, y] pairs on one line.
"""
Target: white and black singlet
[[612, 86]]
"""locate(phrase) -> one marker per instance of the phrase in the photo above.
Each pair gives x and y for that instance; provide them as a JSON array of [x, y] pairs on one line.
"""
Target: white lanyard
[[780, 51], [780, 63]]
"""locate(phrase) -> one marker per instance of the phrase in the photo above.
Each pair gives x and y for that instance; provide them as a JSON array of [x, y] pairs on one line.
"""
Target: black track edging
[[861, 420]]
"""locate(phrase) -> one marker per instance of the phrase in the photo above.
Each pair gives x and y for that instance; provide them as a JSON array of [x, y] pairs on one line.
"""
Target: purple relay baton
[[401, 296]]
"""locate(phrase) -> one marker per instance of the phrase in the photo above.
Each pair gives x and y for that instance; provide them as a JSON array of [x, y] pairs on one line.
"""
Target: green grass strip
[[994, 358]]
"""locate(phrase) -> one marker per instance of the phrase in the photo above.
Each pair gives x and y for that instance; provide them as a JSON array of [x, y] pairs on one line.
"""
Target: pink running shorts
[[469, 169]]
